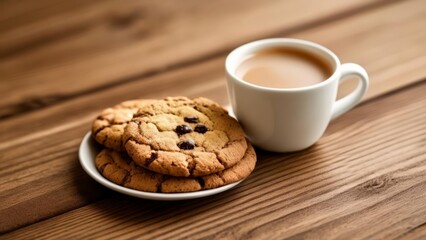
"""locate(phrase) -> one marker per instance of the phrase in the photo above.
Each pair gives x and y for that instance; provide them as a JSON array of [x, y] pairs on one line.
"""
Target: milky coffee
[[284, 67]]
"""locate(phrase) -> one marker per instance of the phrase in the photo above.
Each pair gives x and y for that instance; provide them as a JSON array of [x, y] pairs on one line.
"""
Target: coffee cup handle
[[346, 103]]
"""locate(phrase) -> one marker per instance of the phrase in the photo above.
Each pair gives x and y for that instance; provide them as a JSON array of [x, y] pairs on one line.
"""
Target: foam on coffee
[[284, 67]]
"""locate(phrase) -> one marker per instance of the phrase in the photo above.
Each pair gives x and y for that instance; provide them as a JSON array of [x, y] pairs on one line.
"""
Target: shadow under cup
[[282, 119]]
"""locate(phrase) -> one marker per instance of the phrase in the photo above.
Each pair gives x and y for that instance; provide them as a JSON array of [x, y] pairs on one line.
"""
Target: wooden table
[[62, 62]]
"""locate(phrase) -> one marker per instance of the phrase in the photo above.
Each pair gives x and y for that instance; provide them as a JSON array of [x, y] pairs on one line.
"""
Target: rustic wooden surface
[[60, 64]]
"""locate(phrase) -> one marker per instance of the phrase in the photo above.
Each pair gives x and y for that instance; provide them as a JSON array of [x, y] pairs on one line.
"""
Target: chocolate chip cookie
[[120, 169], [108, 127], [181, 137]]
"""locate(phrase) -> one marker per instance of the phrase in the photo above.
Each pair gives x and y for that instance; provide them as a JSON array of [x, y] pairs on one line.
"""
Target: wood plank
[[57, 130], [62, 55], [358, 173]]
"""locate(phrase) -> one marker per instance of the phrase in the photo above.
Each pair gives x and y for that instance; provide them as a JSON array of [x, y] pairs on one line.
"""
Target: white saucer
[[87, 154]]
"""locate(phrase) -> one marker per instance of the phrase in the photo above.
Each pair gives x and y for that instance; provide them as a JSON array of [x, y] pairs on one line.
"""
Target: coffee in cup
[[284, 67], [283, 91]]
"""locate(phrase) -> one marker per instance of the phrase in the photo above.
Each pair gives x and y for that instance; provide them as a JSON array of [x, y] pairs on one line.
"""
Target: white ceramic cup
[[290, 119]]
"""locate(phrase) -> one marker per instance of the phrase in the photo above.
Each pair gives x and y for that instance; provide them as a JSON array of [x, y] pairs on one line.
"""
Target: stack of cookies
[[171, 145]]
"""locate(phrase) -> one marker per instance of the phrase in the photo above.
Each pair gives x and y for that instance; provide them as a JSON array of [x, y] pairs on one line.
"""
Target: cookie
[[183, 137], [108, 127], [120, 169]]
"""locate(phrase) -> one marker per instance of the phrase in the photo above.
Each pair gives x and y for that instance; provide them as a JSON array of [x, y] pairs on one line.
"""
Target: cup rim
[[231, 70]]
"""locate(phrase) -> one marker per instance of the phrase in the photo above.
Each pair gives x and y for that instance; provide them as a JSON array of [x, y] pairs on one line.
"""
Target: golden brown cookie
[[120, 169], [108, 127], [183, 137]]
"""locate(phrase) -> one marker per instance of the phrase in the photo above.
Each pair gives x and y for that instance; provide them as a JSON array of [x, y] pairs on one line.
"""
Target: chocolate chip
[[187, 144], [191, 119], [201, 128], [151, 159], [182, 129]]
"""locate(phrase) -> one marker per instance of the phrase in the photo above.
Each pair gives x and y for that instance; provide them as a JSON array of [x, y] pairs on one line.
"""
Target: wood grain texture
[[367, 167], [60, 52], [55, 132]]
